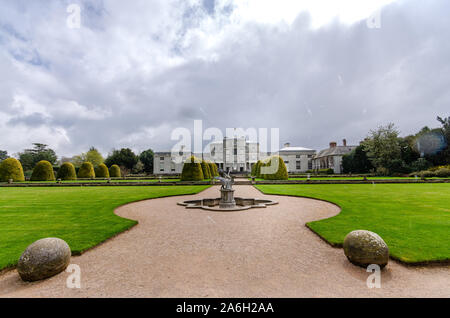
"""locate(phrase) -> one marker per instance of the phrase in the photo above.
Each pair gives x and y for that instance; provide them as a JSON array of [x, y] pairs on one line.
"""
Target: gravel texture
[[265, 252]]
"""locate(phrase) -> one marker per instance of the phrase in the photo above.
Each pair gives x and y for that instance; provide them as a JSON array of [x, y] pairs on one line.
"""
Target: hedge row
[[273, 161], [11, 169]]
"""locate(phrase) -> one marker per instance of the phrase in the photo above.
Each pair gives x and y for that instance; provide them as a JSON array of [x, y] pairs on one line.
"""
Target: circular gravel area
[[264, 252]]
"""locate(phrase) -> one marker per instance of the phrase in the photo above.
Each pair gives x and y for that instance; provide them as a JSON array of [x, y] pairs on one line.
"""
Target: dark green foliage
[[3, 155], [67, 172], [86, 171], [192, 170], [281, 173], [258, 169], [43, 171], [443, 173], [114, 171], [30, 157], [102, 171], [205, 170], [124, 157], [356, 161], [11, 168], [420, 165], [326, 171], [146, 157], [213, 169]]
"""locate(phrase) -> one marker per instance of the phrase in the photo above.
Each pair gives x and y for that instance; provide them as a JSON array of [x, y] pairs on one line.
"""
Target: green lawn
[[413, 219], [83, 216]]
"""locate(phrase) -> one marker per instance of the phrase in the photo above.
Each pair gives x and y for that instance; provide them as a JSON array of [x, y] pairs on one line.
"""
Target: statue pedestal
[[227, 199]]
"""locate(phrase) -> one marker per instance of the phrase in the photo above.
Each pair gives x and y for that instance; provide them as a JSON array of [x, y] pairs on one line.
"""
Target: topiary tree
[[258, 169], [11, 168], [114, 171], [253, 172], [43, 171], [102, 171], [192, 170], [213, 169], [205, 170], [86, 171], [281, 173], [67, 171]]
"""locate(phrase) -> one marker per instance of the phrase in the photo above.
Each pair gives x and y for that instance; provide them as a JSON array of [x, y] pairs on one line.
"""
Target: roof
[[335, 151], [296, 149]]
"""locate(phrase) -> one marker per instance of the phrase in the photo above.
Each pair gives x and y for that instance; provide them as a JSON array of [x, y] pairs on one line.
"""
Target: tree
[[86, 171], [383, 147], [281, 171], [192, 170], [93, 156], [356, 161], [30, 157], [124, 157], [43, 171], [146, 157], [11, 169], [3, 155]]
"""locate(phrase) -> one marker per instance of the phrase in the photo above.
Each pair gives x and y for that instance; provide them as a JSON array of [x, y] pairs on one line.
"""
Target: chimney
[[333, 144], [286, 145], [344, 142]]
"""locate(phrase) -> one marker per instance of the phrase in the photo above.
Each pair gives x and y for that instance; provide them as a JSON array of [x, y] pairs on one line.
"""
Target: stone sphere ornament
[[363, 248], [43, 259]]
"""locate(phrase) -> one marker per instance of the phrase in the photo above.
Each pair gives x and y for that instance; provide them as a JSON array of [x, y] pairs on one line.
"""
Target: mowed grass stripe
[[81, 216], [413, 219]]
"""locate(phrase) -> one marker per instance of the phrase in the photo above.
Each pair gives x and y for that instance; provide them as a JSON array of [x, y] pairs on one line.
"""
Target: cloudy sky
[[135, 70]]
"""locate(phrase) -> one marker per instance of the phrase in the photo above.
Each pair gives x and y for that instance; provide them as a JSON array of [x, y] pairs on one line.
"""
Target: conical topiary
[[258, 169], [213, 169], [43, 171], [280, 173], [114, 171], [192, 170], [205, 170], [86, 171], [102, 171], [67, 172], [11, 168]]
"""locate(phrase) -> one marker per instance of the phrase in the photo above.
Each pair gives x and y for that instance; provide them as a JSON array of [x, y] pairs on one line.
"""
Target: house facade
[[236, 154], [332, 157]]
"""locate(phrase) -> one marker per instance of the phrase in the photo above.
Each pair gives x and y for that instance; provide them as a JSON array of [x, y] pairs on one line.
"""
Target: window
[[298, 165], [310, 156], [235, 151], [310, 165], [161, 158], [286, 162], [297, 156]]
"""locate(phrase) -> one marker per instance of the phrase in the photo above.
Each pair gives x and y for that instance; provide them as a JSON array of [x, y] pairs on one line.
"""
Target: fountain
[[227, 201]]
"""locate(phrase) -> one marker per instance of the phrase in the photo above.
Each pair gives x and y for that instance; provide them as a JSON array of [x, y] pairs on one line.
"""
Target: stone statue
[[225, 179]]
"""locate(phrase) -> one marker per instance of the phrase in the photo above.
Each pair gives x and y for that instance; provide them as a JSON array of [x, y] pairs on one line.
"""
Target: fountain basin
[[214, 204]]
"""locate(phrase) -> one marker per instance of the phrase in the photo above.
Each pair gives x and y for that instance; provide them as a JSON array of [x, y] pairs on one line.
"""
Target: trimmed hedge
[[214, 169], [11, 168], [102, 171], [67, 172], [258, 169], [281, 173], [86, 171], [114, 171], [205, 170], [192, 170], [43, 171]]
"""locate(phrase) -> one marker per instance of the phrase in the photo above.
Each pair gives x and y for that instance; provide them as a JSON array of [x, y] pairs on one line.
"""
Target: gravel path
[[175, 252]]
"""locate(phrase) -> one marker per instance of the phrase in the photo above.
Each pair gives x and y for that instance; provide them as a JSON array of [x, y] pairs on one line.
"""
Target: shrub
[[326, 171], [11, 168], [443, 173], [258, 169], [213, 169], [426, 174], [114, 171], [192, 170], [102, 171], [281, 173], [86, 171], [67, 172], [43, 171], [252, 173], [205, 170]]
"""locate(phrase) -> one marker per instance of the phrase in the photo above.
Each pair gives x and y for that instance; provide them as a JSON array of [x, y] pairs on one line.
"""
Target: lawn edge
[[126, 229], [430, 263]]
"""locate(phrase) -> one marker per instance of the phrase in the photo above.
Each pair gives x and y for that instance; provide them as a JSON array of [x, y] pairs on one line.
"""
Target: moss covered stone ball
[[114, 171], [11, 169], [67, 172], [364, 248], [102, 171], [86, 171]]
